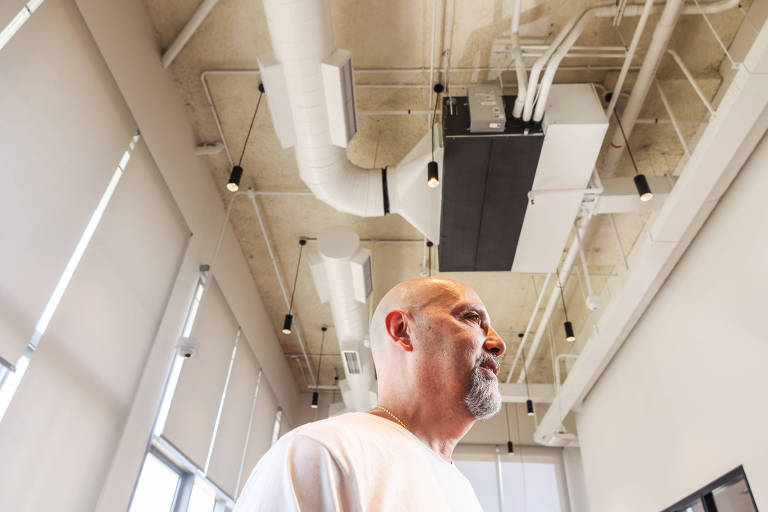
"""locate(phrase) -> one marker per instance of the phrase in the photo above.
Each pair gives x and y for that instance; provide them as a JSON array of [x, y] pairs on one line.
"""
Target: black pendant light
[[233, 185], [528, 402], [288, 321], [316, 393], [569, 335], [433, 178], [510, 445], [641, 183]]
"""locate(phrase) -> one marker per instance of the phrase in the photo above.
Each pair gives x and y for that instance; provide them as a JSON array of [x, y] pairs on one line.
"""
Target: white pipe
[[301, 37], [517, 109], [430, 120], [186, 33], [584, 268], [534, 313], [672, 119], [252, 196], [603, 10], [672, 11], [630, 54], [692, 80], [554, 295]]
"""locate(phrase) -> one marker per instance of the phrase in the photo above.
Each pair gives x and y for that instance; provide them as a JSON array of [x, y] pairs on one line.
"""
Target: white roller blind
[[64, 128], [110, 312], [195, 404], [261, 428], [233, 426]]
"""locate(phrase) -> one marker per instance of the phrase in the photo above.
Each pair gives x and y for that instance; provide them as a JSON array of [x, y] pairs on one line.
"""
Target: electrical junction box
[[486, 109]]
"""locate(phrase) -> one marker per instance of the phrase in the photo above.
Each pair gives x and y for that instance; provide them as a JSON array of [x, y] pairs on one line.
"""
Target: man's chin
[[484, 398]]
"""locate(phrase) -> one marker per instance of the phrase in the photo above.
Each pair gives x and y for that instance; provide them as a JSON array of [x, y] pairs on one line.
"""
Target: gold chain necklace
[[393, 416]]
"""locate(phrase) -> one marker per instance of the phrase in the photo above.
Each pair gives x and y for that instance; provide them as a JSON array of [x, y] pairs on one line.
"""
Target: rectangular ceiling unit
[[273, 78], [485, 181], [339, 86], [574, 125], [488, 222]]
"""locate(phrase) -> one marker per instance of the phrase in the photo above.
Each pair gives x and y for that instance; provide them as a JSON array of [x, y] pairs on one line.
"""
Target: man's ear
[[396, 323]]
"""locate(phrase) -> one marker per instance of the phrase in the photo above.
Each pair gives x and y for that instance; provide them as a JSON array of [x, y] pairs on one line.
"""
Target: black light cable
[[528, 402], [233, 185], [641, 183], [433, 178], [430, 244], [316, 393], [288, 321], [510, 445], [568, 326]]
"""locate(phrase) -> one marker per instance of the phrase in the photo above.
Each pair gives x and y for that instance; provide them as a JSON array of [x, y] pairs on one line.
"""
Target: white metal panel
[[233, 426], [64, 129], [195, 404], [273, 78], [362, 276], [339, 87], [574, 127]]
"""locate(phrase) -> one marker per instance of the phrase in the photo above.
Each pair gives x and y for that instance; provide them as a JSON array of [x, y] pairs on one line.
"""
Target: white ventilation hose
[[300, 31]]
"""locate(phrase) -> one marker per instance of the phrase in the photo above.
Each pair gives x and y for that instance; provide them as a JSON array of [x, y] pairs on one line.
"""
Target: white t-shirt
[[355, 462]]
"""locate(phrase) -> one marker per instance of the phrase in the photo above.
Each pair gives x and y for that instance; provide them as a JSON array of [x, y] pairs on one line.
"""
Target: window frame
[[704, 495]]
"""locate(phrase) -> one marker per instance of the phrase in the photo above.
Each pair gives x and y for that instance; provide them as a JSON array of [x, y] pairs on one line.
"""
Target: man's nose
[[494, 344]]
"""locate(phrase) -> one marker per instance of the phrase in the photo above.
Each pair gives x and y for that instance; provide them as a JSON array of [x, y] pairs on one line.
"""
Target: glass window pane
[[530, 486], [156, 489], [482, 475], [733, 497], [201, 499]]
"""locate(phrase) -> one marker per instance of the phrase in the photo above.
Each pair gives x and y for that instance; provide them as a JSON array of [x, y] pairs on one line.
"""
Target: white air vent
[[362, 279], [351, 361], [273, 78], [339, 86]]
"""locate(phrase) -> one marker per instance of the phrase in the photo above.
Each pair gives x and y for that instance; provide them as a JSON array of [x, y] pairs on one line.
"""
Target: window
[[530, 480], [15, 24], [276, 428], [202, 498], [729, 493], [157, 488], [9, 383]]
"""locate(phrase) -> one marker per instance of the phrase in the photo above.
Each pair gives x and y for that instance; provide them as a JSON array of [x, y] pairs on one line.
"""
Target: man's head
[[432, 340]]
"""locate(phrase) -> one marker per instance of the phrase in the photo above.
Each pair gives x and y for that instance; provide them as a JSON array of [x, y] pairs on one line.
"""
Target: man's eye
[[474, 317]]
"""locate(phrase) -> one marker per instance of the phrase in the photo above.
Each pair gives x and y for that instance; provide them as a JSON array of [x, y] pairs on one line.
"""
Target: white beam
[[620, 195], [186, 33], [517, 393]]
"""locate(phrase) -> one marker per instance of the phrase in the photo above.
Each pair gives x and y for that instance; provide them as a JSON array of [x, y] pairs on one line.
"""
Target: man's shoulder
[[343, 425]]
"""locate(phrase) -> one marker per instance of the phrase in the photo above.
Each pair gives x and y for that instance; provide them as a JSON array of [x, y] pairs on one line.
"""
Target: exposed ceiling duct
[[310, 92], [341, 270]]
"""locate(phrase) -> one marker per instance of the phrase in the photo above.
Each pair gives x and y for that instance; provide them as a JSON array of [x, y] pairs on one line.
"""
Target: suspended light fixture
[[233, 185], [569, 335], [316, 392], [288, 321], [510, 445], [528, 402], [641, 183], [433, 178]]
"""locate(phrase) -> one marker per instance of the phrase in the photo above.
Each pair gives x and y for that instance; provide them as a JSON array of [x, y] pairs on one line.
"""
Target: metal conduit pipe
[[602, 10], [517, 109], [672, 11], [565, 272], [528, 327]]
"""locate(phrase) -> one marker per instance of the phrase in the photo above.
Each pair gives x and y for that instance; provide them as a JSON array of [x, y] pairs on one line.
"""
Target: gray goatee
[[483, 398]]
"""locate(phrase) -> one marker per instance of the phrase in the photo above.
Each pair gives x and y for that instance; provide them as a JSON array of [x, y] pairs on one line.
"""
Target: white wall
[[52, 456], [684, 401], [573, 466]]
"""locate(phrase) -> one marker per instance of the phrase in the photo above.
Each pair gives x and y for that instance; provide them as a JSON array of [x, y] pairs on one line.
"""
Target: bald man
[[437, 360]]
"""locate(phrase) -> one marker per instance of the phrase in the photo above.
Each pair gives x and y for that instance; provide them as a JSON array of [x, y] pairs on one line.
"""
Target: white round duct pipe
[[339, 248], [300, 32]]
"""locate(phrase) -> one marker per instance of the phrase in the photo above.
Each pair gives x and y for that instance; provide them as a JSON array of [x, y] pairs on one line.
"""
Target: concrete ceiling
[[396, 34]]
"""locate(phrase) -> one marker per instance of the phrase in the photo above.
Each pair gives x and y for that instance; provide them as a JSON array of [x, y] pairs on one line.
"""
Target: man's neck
[[439, 428]]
